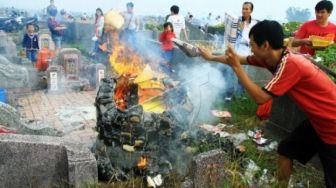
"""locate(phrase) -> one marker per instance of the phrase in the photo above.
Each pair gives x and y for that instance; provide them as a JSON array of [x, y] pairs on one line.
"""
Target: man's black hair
[[175, 9], [268, 30], [168, 24], [324, 4], [248, 3]]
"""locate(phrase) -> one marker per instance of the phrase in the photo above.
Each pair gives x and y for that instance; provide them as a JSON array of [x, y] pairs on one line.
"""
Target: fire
[[143, 162], [121, 91], [127, 62]]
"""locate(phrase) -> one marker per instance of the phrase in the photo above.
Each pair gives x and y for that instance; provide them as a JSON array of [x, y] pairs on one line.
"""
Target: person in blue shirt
[[30, 43]]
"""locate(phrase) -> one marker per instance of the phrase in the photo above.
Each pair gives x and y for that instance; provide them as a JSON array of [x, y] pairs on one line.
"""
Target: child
[[167, 45], [30, 43]]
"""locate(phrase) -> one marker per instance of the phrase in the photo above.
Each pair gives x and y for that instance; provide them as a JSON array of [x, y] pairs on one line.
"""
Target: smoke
[[205, 84], [204, 81]]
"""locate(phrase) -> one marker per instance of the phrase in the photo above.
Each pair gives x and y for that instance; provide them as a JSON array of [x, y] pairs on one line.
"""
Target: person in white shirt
[[178, 22], [242, 46], [243, 41], [131, 25], [244, 26]]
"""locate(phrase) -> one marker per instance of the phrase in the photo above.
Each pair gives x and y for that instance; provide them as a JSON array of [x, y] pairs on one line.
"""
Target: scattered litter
[[264, 178], [270, 147], [221, 114], [251, 170], [260, 141], [128, 148], [158, 180], [241, 148], [211, 128], [222, 125], [238, 138], [150, 182], [154, 182], [184, 136], [6, 130], [257, 137], [223, 134]]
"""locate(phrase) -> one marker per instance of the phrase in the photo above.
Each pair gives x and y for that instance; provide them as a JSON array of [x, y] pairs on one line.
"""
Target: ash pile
[[134, 142]]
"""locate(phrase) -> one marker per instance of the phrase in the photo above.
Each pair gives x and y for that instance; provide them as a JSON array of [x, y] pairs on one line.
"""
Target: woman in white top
[[99, 23]]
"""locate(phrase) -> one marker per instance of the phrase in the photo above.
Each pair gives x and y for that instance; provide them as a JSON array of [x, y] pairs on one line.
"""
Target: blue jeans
[[167, 56], [58, 41], [96, 46], [128, 36], [31, 55], [230, 79]]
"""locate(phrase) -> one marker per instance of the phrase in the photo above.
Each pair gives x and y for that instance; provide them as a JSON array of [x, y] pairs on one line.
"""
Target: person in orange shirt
[[308, 86], [319, 27]]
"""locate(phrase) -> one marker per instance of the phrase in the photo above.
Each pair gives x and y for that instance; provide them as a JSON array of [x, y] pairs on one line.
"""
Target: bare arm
[[300, 42], [222, 58], [256, 92]]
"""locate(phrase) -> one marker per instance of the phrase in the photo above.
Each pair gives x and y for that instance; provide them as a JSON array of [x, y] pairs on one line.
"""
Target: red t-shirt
[[309, 87], [311, 28], [165, 39]]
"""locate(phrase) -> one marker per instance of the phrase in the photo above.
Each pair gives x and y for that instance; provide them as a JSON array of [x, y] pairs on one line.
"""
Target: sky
[[264, 9]]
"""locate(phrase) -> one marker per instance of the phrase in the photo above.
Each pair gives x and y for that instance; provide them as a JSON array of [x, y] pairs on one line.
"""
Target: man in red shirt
[[320, 27], [309, 87]]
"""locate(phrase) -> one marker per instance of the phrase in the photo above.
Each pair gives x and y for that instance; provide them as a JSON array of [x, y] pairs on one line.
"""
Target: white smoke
[[205, 83]]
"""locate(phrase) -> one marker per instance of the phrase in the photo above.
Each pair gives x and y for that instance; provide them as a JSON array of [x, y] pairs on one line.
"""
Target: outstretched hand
[[205, 54], [232, 57]]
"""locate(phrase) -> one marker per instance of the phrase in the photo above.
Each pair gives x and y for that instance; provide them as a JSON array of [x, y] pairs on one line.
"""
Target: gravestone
[[54, 74], [208, 169], [45, 40], [94, 73], [42, 161], [12, 75], [70, 59], [7, 46]]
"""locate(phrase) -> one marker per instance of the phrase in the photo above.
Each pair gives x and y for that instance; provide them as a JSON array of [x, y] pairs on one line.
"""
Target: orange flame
[[124, 61], [143, 162], [121, 91]]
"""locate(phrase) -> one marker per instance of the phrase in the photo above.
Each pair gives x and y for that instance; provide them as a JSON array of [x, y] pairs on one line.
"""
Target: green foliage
[[243, 106], [265, 160], [154, 26], [290, 27], [328, 57]]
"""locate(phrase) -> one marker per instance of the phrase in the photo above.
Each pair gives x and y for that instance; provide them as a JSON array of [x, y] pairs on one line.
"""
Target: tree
[[297, 14]]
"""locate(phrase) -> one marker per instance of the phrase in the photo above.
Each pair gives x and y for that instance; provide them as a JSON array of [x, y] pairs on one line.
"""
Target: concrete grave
[[45, 40], [42, 161], [70, 59], [7, 46], [12, 75], [208, 169]]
